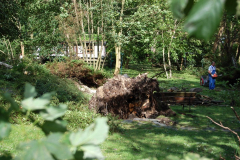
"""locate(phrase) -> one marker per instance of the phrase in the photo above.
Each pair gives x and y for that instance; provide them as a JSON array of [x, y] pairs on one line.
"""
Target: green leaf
[[54, 126], [188, 7], [59, 150], [35, 150], [204, 18], [92, 151], [94, 134], [45, 148], [5, 129], [34, 104], [177, 7], [14, 105], [54, 112], [89, 139], [78, 155], [29, 91], [231, 6], [6, 157]]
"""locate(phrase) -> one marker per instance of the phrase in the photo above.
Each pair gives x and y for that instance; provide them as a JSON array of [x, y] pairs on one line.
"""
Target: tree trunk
[[169, 50], [98, 52], [117, 47], [85, 56], [92, 38], [218, 38], [102, 34], [118, 60], [181, 64], [127, 63], [164, 63], [153, 48]]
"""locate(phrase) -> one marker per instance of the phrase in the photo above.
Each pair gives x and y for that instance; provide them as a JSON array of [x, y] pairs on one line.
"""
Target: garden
[[119, 79]]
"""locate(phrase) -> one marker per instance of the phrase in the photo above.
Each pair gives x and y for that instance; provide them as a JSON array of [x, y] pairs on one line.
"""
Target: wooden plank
[[178, 94], [184, 102], [171, 98]]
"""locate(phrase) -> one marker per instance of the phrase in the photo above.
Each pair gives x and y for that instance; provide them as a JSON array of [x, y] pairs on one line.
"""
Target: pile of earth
[[130, 97]]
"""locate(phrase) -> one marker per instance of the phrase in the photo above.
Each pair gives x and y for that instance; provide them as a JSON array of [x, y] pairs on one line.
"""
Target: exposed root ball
[[129, 98]]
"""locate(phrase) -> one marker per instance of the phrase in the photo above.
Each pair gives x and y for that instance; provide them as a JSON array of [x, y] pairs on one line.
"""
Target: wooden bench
[[181, 98]]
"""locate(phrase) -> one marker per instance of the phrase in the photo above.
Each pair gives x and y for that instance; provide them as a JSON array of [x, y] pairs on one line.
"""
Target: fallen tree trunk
[[129, 98], [6, 65]]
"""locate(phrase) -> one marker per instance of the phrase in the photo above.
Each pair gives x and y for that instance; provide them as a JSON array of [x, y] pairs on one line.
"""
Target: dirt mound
[[133, 97], [77, 70]]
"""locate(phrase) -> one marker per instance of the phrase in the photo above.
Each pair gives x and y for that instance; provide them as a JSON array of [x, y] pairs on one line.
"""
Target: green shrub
[[79, 119], [64, 88], [58, 142]]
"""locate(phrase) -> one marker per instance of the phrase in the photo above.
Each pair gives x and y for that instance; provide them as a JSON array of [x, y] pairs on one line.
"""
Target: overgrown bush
[[64, 88]]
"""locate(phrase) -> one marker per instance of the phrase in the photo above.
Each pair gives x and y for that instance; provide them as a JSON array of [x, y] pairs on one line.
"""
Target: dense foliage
[[57, 143]]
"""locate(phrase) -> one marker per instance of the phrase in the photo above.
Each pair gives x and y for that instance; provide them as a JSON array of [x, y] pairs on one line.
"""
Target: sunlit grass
[[19, 134], [145, 141]]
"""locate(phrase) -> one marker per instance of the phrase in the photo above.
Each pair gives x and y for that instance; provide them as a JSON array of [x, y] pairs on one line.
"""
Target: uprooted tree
[[130, 97]]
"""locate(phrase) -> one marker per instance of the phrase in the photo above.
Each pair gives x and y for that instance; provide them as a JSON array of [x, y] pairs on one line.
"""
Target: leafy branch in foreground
[[59, 143], [204, 16]]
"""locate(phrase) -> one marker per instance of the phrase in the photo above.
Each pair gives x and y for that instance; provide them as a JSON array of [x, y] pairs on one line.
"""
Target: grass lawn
[[144, 140], [141, 141], [19, 133]]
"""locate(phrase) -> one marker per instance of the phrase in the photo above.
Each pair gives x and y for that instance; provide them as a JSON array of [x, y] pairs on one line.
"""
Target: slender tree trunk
[[106, 57], [78, 25], [169, 49], [22, 49], [218, 38], [153, 48], [21, 42], [164, 61], [90, 36], [98, 52], [181, 64], [102, 34], [118, 60], [117, 47], [83, 33], [92, 55]]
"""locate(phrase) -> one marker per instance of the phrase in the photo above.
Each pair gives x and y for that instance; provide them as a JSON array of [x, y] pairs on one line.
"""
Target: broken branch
[[6, 65], [235, 113], [220, 125]]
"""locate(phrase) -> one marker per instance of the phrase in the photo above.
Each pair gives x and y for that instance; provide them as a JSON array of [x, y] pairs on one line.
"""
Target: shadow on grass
[[144, 141]]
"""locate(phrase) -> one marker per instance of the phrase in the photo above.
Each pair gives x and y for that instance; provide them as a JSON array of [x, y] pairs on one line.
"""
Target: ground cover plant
[[193, 132], [57, 142]]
